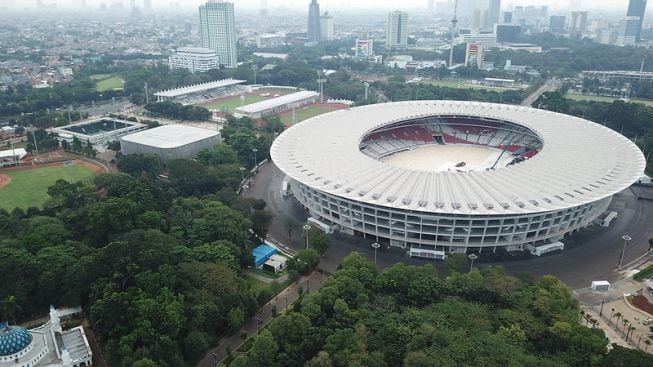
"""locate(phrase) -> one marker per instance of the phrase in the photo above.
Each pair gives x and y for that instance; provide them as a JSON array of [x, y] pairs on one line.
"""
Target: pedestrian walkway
[[287, 297]]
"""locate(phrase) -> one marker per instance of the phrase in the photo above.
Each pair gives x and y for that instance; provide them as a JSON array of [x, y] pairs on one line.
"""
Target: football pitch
[[29, 187], [108, 82], [230, 104], [305, 113]]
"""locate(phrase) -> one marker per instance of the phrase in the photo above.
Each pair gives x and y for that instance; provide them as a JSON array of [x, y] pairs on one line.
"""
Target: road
[[592, 254], [287, 297], [549, 86]]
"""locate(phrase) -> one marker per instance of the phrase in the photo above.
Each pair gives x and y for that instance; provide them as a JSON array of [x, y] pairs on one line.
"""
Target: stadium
[[442, 177]]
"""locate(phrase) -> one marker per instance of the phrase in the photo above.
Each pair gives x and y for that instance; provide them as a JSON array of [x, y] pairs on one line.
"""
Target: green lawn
[[100, 76], [111, 83], [463, 84], [30, 187], [228, 105], [585, 97], [644, 274], [305, 113]]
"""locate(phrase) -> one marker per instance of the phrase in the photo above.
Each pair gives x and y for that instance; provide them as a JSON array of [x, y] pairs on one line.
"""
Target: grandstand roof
[[276, 102], [170, 136], [580, 162], [197, 88]]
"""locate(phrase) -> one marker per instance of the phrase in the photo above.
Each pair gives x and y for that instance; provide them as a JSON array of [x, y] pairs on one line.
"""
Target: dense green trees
[[178, 111], [408, 316]]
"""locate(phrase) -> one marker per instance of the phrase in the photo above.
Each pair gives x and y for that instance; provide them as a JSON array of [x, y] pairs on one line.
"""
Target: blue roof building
[[262, 254]]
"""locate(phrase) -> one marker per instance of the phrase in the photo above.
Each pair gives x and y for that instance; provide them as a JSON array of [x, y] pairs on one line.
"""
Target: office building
[[147, 4], [364, 49], [557, 24], [474, 55], [629, 28], [263, 11], [577, 23], [314, 28], [218, 30], [507, 32], [326, 27], [637, 8], [506, 17], [492, 14], [431, 6], [194, 59], [397, 29]]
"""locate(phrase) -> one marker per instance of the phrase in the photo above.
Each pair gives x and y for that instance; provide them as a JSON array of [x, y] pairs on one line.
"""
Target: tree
[[320, 241], [236, 319], [264, 349], [291, 225]]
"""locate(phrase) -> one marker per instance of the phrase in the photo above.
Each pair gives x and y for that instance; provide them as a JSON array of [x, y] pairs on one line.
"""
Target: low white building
[[170, 142], [195, 59]]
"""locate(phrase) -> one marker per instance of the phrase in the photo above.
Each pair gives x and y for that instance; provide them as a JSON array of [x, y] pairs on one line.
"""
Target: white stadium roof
[[580, 162], [198, 88], [170, 136], [276, 102]]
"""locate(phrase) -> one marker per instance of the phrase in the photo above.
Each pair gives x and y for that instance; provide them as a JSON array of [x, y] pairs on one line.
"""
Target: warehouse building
[[170, 142]]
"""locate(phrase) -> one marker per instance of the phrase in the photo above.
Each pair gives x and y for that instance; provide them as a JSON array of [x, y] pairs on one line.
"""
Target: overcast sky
[[328, 4]]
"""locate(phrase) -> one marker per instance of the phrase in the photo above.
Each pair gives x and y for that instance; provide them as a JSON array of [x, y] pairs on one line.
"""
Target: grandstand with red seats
[[447, 177]]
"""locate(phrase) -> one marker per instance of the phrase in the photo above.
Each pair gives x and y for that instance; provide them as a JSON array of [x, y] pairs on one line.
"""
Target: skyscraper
[[147, 4], [557, 24], [577, 23], [637, 8], [314, 22], [218, 30], [493, 13], [326, 27], [629, 27], [397, 29]]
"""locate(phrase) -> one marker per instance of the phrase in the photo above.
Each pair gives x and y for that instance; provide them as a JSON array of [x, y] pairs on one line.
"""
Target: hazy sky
[[328, 4]]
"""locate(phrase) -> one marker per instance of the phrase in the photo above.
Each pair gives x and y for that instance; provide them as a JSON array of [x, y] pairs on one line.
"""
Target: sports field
[[108, 82], [230, 104], [586, 97], [305, 113], [29, 187], [463, 84]]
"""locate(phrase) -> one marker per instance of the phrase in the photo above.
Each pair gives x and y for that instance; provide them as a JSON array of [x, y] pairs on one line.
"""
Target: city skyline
[[330, 5]]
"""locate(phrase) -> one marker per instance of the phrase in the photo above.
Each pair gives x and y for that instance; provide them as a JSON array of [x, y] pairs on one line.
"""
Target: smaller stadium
[[98, 130]]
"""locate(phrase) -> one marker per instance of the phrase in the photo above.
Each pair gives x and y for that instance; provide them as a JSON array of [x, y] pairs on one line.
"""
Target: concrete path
[[286, 298]]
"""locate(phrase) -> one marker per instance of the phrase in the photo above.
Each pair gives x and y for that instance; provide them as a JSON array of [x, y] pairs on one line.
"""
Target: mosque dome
[[13, 339]]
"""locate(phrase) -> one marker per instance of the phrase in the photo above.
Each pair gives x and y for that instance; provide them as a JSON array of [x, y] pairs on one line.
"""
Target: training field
[[228, 105], [108, 82], [29, 187], [305, 113], [586, 97], [464, 84]]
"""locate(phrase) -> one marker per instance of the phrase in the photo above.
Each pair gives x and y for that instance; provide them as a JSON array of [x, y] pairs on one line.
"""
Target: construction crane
[[454, 22]]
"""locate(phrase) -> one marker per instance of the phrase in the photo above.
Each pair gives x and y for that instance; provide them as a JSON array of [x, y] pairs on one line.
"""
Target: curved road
[[592, 254]]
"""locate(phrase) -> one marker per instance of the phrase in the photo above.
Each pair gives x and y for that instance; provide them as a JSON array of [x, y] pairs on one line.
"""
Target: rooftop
[[580, 162], [196, 50], [13, 339], [276, 102], [170, 136], [199, 88]]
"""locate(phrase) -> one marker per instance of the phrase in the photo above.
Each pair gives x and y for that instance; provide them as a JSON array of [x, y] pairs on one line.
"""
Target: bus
[[320, 225]]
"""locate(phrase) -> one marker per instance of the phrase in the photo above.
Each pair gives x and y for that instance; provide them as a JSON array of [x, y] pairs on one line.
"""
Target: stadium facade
[[452, 177]]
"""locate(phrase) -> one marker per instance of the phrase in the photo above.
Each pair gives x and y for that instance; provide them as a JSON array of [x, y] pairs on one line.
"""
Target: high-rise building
[[493, 13], [397, 29], [431, 7], [326, 27], [476, 19], [557, 24], [147, 4], [218, 30], [263, 11], [637, 8], [506, 17], [314, 28], [474, 55], [629, 27], [577, 23]]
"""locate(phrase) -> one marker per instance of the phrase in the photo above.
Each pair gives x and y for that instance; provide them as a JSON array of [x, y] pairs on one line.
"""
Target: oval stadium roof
[[580, 162]]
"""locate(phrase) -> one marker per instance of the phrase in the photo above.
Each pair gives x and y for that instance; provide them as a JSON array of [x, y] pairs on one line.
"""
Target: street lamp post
[[242, 174], [626, 238], [306, 228], [472, 257], [375, 246], [255, 161], [601, 311]]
